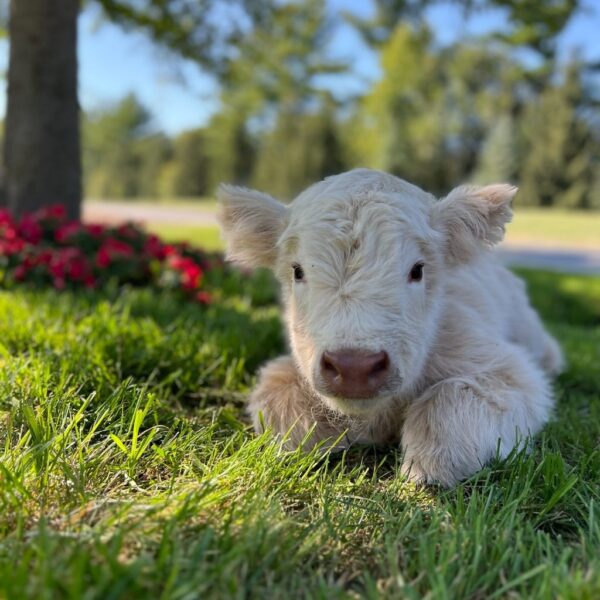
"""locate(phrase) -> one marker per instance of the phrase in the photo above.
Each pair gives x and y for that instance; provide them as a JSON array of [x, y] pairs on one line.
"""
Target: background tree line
[[437, 116], [499, 107]]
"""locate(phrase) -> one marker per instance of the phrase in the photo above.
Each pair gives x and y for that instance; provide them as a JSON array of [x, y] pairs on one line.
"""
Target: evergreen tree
[[562, 149], [300, 150], [230, 149], [499, 160], [153, 153], [427, 117], [111, 162], [269, 90], [189, 165]]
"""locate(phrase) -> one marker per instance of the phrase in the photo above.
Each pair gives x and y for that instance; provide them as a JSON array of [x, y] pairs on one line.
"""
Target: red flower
[[66, 231], [68, 264], [111, 250], [45, 257], [5, 218], [155, 248], [29, 261], [128, 230], [20, 272], [54, 211], [78, 268], [169, 250], [203, 297], [57, 267], [191, 273], [95, 230], [89, 281], [8, 232], [30, 230], [9, 247], [103, 257], [44, 248]]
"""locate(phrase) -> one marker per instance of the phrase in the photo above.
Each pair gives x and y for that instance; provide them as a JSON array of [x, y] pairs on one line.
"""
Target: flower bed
[[43, 248]]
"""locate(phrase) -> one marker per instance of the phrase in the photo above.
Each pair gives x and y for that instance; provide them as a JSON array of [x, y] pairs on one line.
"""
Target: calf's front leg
[[281, 402], [459, 424]]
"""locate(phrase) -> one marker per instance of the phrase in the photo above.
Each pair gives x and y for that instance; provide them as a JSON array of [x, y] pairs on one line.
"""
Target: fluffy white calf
[[402, 324]]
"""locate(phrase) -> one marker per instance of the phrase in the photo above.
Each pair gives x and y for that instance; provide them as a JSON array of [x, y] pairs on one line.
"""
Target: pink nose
[[353, 373]]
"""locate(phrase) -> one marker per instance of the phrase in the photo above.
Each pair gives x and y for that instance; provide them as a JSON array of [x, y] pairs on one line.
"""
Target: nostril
[[328, 364], [381, 363]]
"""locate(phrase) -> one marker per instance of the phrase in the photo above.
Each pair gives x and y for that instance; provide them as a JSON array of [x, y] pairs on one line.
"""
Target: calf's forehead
[[354, 217]]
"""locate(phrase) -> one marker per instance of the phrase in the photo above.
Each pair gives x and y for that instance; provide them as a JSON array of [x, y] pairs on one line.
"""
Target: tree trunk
[[42, 161]]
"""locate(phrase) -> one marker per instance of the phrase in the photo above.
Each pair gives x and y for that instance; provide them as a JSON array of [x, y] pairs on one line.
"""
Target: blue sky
[[114, 62]]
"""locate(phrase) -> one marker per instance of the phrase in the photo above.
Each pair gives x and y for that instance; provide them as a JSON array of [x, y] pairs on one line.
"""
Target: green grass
[[555, 227], [127, 469], [207, 236]]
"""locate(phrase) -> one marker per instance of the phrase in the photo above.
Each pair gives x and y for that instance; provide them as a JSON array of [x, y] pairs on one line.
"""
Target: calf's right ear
[[251, 223]]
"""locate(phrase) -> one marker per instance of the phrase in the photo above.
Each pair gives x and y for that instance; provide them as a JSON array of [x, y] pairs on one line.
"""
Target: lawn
[[579, 229], [127, 468], [205, 236]]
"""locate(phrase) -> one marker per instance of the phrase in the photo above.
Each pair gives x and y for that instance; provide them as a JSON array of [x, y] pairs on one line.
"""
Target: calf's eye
[[416, 273], [298, 272]]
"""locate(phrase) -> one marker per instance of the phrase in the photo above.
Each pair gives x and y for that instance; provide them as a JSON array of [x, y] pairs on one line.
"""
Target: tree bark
[[42, 163]]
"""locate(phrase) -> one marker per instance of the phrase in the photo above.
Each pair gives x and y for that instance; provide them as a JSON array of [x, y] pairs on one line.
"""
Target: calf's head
[[362, 258]]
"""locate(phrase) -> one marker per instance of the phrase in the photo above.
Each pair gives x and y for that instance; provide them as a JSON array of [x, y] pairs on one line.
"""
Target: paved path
[[582, 261], [117, 212], [570, 260]]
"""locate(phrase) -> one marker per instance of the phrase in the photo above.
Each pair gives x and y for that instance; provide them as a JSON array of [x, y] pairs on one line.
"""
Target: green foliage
[[301, 149], [152, 155], [499, 157], [271, 88], [191, 28], [3, 20], [563, 149], [187, 172], [471, 112], [537, 25], [428, 116], [127, 468], [388, 14], [438, 116], [276, 126], [230, 148], [278, 62], [534, 25], [112, 165]]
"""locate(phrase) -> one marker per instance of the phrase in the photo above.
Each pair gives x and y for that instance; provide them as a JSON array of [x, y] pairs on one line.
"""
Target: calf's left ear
[[472, 217], [251, 223]]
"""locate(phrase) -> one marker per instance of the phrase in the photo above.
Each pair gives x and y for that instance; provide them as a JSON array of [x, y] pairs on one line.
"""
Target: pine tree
[[190, 165], [562, 150], [499, 159], [301, 149]]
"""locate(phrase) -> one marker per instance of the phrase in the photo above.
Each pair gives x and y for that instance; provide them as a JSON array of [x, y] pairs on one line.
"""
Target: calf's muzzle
[[354, 374]]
